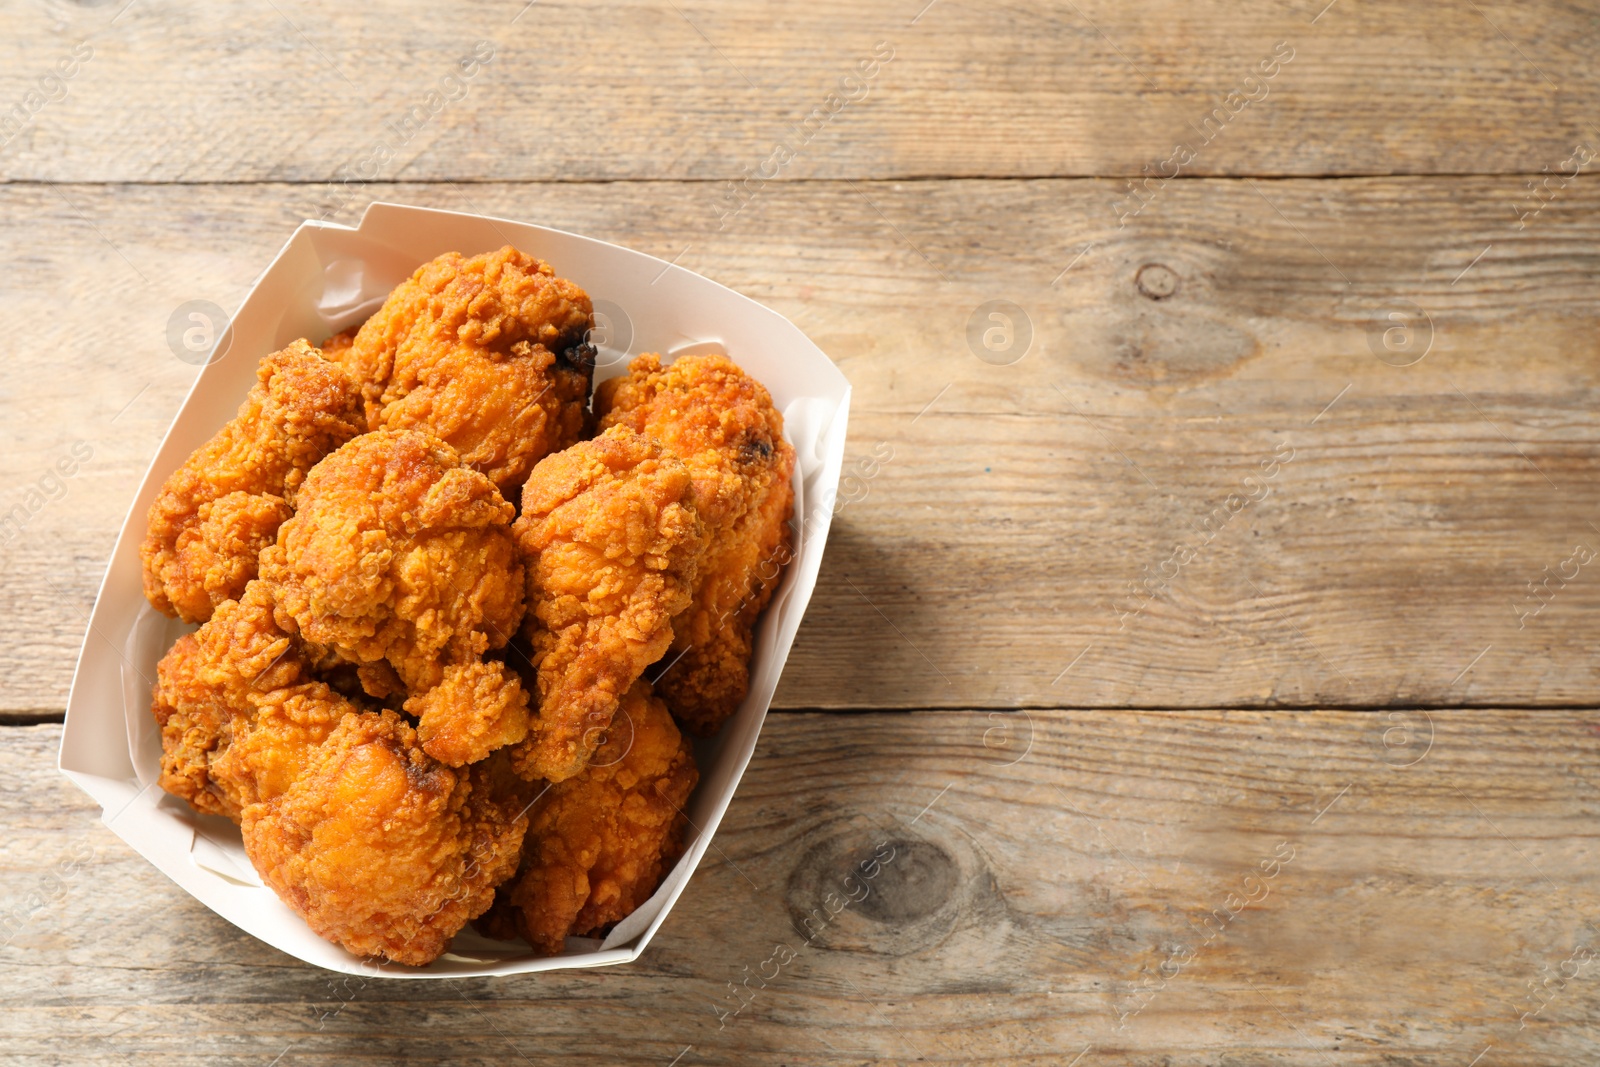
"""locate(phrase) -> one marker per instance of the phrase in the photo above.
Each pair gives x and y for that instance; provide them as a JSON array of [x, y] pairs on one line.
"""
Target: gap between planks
[[1356, 175]]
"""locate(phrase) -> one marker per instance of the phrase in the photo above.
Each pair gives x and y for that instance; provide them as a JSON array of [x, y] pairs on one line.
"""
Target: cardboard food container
[[328, 278]]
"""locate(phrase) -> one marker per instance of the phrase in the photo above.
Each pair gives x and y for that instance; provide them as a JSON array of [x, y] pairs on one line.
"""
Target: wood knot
[[888, 892], [1156, 281], [835, 877], [916, 882]]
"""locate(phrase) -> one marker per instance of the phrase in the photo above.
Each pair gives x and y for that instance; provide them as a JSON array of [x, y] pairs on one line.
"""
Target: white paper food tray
[[328, 278]]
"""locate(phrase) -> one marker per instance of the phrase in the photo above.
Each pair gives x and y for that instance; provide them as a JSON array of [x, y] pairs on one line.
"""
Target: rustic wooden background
[[1372, 675]]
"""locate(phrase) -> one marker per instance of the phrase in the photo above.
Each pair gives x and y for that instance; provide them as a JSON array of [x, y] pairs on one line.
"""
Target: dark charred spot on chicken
[[755, 450], [579, 357]]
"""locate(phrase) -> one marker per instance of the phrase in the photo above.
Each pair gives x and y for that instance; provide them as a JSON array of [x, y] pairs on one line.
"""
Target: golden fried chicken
[[216, 512], [274, 742], [377, 680], [598, 844], [478, 707], [217, 557], [246, 650], [196, 721], [609, 536], [486, 354], [337, 347], [722, 424], [397, 552], [348, 545], [381, 848], [207, 685]]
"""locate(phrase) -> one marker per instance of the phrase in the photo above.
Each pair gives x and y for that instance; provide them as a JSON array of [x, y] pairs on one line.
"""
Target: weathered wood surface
[[1059, 882], [202, 92], [997, 514], [1065, 883]]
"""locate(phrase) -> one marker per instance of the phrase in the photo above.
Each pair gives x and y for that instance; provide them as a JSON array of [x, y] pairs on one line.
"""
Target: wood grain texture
[[995, 516], [1193, 464], [626, 90], [1058, 881]]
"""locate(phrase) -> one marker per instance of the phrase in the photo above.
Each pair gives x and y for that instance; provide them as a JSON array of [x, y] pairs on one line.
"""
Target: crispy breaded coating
[[609, 537], [722, 424], [477, 708], [396, 551], [216, 512], [221, 551], [421, 708], [598, 844], [486, 353], [196, 720], [246, 650], [337, 347], [206, 686], [273, 744], [381, 848]]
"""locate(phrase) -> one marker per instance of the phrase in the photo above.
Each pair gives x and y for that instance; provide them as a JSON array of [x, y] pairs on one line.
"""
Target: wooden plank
[[1010, 507], [621, 90], [1060, 884]]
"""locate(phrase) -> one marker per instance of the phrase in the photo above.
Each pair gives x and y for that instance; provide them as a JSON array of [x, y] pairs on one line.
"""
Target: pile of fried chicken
[[453, 614]]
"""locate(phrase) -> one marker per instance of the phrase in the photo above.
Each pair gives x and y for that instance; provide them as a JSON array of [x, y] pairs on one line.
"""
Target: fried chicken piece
[[397, 552], [216, 512], [486, 354], [598, 844], [275, 741], [218, 556], [196, 721], [721, 423], [610, 537], [206, 686], [478, 707], [379, 847], [337, 347], [737, 579], [249, 650]]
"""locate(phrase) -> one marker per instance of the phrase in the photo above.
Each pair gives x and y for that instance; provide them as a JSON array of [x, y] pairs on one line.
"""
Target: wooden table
[[1211, 632]]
